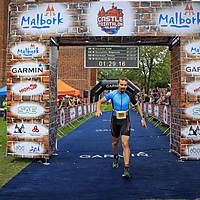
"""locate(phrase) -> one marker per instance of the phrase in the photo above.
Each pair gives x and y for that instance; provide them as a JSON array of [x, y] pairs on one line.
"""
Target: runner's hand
[[98, 113], [143, 123]]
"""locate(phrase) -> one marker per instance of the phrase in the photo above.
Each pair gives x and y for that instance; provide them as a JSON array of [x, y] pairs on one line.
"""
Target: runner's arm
[[142, 116], [98, 113]]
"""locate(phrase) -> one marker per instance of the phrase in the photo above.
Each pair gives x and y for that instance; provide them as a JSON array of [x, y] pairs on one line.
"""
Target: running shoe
[[126, 173], [115, 163]]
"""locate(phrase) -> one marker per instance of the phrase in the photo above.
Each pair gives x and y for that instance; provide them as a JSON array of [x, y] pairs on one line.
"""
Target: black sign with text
[[112, 57]]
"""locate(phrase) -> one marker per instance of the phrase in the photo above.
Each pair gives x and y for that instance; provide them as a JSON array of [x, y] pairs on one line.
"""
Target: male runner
[[120, 122]]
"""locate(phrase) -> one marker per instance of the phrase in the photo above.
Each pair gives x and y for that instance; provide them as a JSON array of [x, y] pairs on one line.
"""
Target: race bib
[[121, 114]]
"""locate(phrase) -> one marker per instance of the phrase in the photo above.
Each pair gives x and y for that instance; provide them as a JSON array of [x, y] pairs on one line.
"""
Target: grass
[[10, 166]]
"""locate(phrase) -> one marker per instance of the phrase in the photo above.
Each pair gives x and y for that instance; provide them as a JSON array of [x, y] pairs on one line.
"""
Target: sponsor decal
[[107, 18], [28, 49], [191, 132], [149, 109], [193, 88], [193, 48], [156, 111], [46, 19], [28, 69], [79, 111], [62, 117], [193, 68], [27, 109], [88, 108], [193, 111], [180, 19], [139, 154], [193, 151], [165, 115], [27, 148], [72, 113], [145, 107], [85, 109], [27, 130], [28, 88]]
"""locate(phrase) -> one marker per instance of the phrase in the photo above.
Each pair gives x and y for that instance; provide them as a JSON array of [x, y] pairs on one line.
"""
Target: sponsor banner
[[144, 107], [79, 111], [46, 19], [193, 111], [193, 68], [28, 88], [92, 108], [180, 19], [111, 19], [192, 131], [28, 69], [193, 151], [62, 117], [95, 107], [28, 49], [193, 88], [193, 48], [165, 115], [72, 113], [149, 109], [85, 110], [27, 148], [156, 111], [27, 130], [88, 108], [28, 109]]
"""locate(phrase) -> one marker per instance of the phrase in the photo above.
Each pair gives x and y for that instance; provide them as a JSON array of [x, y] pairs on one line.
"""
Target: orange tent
[[64, 89]]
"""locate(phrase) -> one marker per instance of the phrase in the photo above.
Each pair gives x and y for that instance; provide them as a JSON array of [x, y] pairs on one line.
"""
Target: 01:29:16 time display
[[112, 63]]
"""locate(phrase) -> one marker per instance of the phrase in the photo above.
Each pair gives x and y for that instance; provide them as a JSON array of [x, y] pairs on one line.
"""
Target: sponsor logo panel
[[192, 131], [193, 88], [193, 111], [62, 117], [193, 48], [28, 88], [72, 113], [27, 130], [28, 109], [193, 151]]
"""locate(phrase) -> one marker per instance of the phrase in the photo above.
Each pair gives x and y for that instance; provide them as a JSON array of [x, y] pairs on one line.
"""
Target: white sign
[[193, 68], [79, 111], [27, 130], [27, 148], [193, 151], [27, 109], [28, 49], [193, 111], [193, 48], [165, 115], [156, 111], [111, 19], [88, 108], [180, 19], [192, 131], [145, 109], [149, 109], [193, 88], [72, 113], [85, 109], [46, 19], [28, 69], [28, 88], [95, 107], [62, 117]]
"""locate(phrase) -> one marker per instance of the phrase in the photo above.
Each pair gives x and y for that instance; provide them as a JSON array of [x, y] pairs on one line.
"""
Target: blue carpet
[[83, 168]]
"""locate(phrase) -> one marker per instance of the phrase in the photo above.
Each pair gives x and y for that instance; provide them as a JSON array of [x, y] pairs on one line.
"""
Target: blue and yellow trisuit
[[120, 122]]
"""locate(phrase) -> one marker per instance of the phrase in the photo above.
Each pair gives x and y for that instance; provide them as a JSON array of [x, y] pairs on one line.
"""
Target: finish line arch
[[110, 85], [35, 31]]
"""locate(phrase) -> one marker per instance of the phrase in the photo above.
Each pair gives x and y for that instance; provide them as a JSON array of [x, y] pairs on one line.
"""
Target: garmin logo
[[193, 68], [184, 19]]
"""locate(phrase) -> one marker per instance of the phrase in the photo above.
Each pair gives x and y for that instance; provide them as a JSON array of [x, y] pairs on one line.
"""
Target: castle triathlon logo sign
[[183, 19], [111, 20], [46, 19]]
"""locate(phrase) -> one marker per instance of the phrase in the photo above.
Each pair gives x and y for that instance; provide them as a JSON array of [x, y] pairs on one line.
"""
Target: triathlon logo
[[111, 20]]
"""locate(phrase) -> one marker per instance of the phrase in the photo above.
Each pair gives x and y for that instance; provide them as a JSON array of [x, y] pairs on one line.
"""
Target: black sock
[[126, 166], [116, 156]]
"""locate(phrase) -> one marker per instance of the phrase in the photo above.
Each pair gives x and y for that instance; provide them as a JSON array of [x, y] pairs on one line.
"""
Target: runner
[[120, 122]]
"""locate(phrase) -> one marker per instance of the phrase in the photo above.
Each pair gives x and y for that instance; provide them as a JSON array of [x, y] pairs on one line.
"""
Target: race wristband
[[142, 116]]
